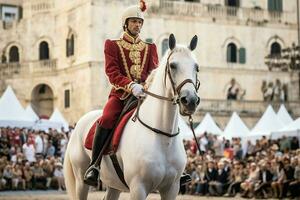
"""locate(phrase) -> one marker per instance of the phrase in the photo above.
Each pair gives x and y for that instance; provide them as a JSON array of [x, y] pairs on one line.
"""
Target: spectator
[[59, 176], [295, 185], [264, 181], [202, 186], [50, 149], [237, 176], [8, 176], [29, 151], [39, 176], [39, 145], [277, 184], [217, 186], [28, 175], [248, 184], [17, 177]]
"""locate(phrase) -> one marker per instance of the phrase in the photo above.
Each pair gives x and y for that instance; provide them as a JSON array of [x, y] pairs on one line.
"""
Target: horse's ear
[[193, 43], [172, 41]]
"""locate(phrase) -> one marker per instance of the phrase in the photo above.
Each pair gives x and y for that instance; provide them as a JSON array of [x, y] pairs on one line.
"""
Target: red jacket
[[128, 61]]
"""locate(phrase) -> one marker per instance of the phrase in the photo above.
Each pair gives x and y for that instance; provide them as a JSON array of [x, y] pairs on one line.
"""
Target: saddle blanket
[[116, 137]]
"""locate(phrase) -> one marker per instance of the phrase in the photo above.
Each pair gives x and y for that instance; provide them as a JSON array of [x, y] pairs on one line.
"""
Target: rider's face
[[134, 26]]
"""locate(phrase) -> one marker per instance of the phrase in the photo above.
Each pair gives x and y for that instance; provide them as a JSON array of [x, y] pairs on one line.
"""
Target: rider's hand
[[137, 90]]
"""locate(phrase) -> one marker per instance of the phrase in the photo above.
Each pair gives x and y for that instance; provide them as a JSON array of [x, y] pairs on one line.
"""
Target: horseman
[[128, 62]]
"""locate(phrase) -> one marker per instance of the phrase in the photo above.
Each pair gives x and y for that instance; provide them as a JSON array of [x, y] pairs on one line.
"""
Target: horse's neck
[[157, 113]]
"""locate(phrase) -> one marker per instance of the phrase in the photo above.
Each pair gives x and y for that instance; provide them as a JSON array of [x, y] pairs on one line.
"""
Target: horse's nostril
[[198, 101], [183, 100]]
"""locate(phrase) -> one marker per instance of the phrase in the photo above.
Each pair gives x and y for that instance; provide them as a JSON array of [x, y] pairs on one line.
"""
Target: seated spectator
[[237, 176], [295, 185], [248, 184], [264, 181], [17, 177], [211, 172], [39, 175], [28, 175], [216, 187], [289, 174], [48, 169], [277, 185], [7, 175], [202, 186], [59, 176]]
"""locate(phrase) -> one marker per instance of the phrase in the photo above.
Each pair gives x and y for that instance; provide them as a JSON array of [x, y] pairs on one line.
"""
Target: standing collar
[[130, 39]]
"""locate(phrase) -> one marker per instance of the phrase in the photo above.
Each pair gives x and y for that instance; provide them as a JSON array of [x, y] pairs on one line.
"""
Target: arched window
[[14, 54], [275, 49], [231, 53], [44, 51], [70, 46], [164, 46]]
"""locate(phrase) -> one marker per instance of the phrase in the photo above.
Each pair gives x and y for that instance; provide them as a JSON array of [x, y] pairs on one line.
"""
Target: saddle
[[128, 110]]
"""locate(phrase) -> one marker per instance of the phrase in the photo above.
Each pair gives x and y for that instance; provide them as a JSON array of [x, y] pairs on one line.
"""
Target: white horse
[[150, 161]]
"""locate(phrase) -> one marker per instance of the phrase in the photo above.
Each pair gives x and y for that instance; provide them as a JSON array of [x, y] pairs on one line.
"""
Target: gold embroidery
[[124, 59], [135, 50]]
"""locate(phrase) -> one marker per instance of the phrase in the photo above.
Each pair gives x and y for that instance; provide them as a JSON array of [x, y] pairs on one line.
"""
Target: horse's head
[[182, 69]]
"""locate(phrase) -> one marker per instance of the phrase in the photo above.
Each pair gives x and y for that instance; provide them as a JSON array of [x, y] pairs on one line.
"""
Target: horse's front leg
[[171, 192], [111, 194], [138, 190]]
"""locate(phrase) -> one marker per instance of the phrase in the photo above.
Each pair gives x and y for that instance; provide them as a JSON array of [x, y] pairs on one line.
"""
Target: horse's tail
[[69, 176]]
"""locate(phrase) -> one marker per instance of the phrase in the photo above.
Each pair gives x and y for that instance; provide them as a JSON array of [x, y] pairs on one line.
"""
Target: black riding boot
[[185, 179], [92, 172]]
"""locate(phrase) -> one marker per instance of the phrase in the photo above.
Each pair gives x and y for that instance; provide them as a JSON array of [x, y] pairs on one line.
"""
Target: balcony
[[8, 70], [244, 108], [43, 66], [201, 11], [39, 6]]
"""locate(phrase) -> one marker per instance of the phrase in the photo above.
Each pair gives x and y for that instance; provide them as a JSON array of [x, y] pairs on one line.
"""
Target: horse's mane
[[162, 64]]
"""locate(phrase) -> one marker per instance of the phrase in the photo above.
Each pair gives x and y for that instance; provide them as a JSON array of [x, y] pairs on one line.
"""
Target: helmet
[[134, 12]]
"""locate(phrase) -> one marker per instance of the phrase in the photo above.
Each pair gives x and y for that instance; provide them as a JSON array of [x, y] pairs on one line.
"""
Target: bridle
[[175, 99]]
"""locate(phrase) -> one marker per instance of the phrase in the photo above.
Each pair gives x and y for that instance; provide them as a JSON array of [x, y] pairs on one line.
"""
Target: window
[[70, 46], [164, 46], [275, 5], [67, 98], [10, 13], [44, 51], [242, 55], [233, 3], [275, 49], [14, 54], [42, 89], [231, 53]]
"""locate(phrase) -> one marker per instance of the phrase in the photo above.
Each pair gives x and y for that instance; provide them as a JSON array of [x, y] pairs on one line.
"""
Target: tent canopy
[[207, 125], [235, 127], [58, 117], [30, 113], [268, 123], [283, 115], [11, 111]]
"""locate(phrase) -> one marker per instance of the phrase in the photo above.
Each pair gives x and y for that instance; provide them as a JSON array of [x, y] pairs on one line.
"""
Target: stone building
[[52, 51]]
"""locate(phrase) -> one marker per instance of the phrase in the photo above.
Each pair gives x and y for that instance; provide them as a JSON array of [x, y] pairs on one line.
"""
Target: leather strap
[[118, 169]]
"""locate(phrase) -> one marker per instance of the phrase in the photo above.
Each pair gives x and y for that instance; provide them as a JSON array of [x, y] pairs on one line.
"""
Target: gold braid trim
[[124, 59], [144, 61]]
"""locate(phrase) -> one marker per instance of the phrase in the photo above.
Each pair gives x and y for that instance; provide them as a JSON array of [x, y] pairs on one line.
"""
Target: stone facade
[[90, 22]]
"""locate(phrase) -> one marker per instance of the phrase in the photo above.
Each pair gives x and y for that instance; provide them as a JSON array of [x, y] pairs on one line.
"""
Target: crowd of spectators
[[264, 169], [267, 168], [31, 159]]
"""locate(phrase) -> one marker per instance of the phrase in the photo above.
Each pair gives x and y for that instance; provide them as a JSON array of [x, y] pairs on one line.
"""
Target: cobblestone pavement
[[55, 195]]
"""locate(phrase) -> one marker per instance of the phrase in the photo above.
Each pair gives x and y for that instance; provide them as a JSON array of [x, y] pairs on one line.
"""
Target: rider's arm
[[113, 67]]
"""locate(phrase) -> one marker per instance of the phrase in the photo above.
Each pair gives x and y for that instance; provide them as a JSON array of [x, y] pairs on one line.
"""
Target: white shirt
[[58, 172], [39, 145], [29, 152]]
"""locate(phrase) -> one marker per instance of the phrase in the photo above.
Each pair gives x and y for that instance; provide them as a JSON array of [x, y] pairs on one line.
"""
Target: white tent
[[30, 112], [268, 123], [185, 130], [292, 129], [283, 115], [11, 111], [235, 127], [45, 125], [58, 117], [207, 125]]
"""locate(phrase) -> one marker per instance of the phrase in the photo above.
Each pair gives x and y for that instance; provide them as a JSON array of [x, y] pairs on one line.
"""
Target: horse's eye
[[173, 66]]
